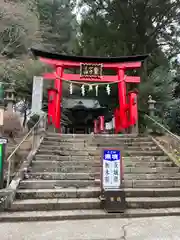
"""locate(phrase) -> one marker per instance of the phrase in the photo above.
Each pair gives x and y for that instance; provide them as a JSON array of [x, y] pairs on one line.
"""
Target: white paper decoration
[[90, 87], [83, 90], [108, 89], [71, 89], [96, 90]]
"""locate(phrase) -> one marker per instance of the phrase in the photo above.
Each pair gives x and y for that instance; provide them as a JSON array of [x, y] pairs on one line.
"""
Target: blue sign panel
[[111, 155]]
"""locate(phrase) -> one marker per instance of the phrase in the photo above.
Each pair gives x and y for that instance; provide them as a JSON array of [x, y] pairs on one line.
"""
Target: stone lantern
[[152, 108], [10, 98]]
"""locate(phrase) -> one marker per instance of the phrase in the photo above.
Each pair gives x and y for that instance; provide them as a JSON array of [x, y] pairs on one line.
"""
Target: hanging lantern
[[71, 89], [90, 87], [83, 90], [96, 90], [108, 89]]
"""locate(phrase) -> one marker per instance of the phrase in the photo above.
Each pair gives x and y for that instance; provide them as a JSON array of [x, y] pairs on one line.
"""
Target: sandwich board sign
[[111, 169]]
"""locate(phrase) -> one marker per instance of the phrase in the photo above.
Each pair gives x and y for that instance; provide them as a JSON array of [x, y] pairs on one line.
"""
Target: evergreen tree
[[57, 25], [125, 27]]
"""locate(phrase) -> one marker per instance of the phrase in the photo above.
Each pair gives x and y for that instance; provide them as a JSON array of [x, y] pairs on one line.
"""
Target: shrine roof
[[79, 102], [57, 56]]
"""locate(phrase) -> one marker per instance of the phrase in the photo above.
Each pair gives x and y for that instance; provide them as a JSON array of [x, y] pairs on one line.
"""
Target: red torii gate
[[119, 64]]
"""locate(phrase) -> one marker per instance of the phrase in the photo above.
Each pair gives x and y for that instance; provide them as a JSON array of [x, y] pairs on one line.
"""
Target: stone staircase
[[64, 180]]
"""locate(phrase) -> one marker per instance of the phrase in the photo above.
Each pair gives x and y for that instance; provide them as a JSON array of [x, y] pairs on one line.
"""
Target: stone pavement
[[162, 228]]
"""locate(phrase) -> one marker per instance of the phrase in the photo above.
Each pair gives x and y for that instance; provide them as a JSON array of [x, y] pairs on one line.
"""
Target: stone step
[[153, 176], [152, 192], [85, 153], [75, 163], [153, 202], [144, 170], [61, 176], [96, 140], [149, 164], [57, 167], [151, 183], [63, 153], [122, 136], [51, 157], [53, 184], [132, 153], [72, 135], [91, 203], [95, 151], [109, 144], [141, 173], [91, 176], [40, 156], [55, 204], [91, 192], [146, 158], [68, 140], [67, 144], [65, 136], [134, 148], [33, 216], [92, 145], [130, 164]]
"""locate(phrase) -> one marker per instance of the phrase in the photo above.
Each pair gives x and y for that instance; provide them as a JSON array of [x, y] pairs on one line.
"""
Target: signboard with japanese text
[[91, 70], [111, 171]]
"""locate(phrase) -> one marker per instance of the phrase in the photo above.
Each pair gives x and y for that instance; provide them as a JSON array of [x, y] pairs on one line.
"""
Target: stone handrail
[[169, 141], [28, 144]]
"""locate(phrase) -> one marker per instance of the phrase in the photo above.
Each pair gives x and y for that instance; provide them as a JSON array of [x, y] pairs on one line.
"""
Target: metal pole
[[1, 166], [3, 143]]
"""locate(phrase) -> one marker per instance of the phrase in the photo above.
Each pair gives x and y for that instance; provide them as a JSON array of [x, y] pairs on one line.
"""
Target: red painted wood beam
[[132, 79], [49, 76], [69, 64], [76, 77]]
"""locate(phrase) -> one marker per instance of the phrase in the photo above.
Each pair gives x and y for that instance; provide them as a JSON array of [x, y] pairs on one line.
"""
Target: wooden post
[[122, 97]]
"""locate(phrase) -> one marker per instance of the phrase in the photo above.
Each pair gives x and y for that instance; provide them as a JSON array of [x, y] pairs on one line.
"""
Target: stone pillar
[[152, 108], [37, 95]]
